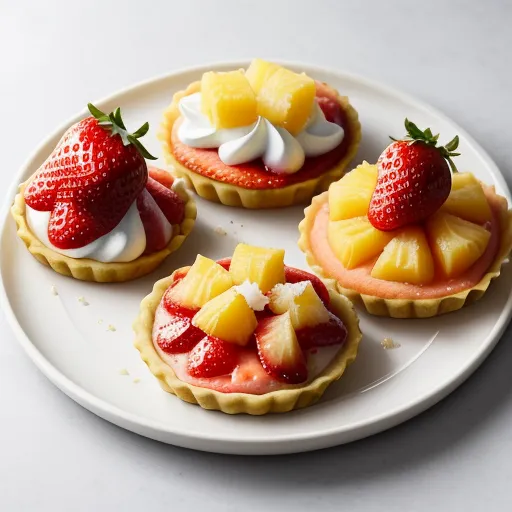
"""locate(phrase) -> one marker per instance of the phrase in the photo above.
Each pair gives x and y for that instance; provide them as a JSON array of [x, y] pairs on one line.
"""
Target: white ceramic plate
[[72, 345]]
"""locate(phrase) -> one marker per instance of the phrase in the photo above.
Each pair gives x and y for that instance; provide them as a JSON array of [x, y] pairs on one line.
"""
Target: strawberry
[[178, 335], [163, 177], [295, 275], [90, 180], [155, 224], [279, 350], [329, 333], [172, 206], [212, 357], [414, 179]]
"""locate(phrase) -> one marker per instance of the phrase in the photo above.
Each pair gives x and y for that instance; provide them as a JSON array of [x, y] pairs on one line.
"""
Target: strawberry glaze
[[254, 175], [360, 280]]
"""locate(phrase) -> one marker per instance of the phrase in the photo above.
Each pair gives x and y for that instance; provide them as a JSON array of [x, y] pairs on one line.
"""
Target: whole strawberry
[[414, 179], [90, 180]]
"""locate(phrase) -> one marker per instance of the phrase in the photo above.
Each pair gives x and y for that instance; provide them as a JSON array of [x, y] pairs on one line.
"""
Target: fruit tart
[[261, 138], [409, 237], [94, 211], [246, 334]]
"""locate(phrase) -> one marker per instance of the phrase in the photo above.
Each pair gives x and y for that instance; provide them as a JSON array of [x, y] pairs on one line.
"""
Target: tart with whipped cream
[[246, 334], [95, 212], [406, 238], [266, 137]]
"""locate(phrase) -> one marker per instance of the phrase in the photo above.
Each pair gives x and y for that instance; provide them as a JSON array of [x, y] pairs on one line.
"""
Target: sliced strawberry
[[225, 263], [295, 275], [155, 224], [178, 335], [212, 357], [279, 351], [163, 177], [90, 180], [172, 206], [332, 332], [172, 306]]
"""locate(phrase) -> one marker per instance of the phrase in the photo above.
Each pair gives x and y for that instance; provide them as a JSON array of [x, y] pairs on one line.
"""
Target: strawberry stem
[[113, 123], [414, 134]]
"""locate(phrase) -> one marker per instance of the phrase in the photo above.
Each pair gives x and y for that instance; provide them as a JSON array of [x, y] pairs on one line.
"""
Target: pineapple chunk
[[227, 317], [301, 301], [456, 243], [204, 281], [355, 241], [227, 99], [259, 72], [467, 199], [286, 99], [406, 259], [350, 197], [259, 265]]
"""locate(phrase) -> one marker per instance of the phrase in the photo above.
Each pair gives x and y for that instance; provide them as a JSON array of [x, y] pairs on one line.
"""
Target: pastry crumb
[[220, 231], [136, 380], [100, 321], [389, 344], [54, 290], [111, 328], [83, 301], [124, 371]]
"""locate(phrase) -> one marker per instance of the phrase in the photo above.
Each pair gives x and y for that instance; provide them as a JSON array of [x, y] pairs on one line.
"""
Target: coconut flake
[[293, 289], [252, 294]]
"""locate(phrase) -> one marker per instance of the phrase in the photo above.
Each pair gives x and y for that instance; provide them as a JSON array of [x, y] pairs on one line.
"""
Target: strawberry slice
[[90, 180], [163, 177], [212, 357], [295, 275], [279, 351], [155, 224], [329, 333], [172, 206], [178, 335]]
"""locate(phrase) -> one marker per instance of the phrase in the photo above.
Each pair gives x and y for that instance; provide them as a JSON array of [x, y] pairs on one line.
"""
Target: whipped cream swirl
[[281, 152]]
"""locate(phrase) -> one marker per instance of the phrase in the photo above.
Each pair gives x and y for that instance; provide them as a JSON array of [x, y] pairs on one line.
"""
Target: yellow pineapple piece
[[406, 259], [467, 199], [227, 99], [355, 241], [228, 317], [259, 72], [259, 265], [204, 281], [286, 99], [350, 196], [301, 301], [456, 243]]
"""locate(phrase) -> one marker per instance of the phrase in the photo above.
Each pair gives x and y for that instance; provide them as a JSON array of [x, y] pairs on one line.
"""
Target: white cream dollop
[[126, 242], [280, 151]]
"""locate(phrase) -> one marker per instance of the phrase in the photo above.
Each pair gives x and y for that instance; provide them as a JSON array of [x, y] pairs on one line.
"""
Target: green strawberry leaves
[[114, 123], [414, 134]]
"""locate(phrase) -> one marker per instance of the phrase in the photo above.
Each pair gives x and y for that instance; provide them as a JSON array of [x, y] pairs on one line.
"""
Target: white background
[[58, 55]]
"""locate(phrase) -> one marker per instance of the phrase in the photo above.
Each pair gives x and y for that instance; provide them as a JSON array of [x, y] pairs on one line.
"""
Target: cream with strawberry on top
[[259, 138], [247, 324], [94, 198], [409, 236]]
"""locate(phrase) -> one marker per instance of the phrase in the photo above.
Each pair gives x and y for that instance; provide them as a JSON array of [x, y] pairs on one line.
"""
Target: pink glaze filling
[[360, 280], [248, 377]]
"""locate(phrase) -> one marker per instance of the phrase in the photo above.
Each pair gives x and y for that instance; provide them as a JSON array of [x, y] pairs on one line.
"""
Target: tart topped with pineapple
[[260, 138], [409, 236], [95, 211], [246, 334]]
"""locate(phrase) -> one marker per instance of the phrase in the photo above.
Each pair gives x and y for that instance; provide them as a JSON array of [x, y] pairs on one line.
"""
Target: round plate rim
[[135, 422]]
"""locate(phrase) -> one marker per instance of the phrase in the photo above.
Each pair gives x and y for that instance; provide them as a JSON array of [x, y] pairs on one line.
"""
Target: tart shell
[[284, 400], [409, 308], [86, 269], [233, 195]]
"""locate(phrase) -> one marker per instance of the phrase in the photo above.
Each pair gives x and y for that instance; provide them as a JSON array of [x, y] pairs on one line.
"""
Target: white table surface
[[58, 55]]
